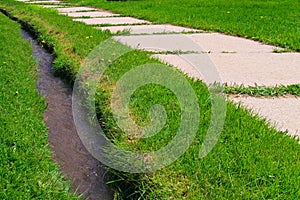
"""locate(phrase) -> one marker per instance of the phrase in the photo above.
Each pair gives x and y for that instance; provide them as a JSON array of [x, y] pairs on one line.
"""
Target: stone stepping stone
[[149, 29], [209, 42], [167, 42], [192, 70], [91, 14], [284, 113], [111, 20], [268, 69], [75, 9], [217, 42]]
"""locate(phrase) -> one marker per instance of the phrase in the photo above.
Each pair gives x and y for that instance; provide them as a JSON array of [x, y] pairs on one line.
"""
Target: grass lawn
[[27, 170], [273, 21], [250, 160]]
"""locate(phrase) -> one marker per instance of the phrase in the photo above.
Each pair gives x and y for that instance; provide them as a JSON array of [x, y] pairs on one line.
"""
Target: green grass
[[69, 43], [27, 170], [178, 52], [250, 161], [280, 90], [272, 21]]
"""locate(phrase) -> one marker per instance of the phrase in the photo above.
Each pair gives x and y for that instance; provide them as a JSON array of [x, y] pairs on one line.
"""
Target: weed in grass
[[276, 50], [228, 52], [123, 32], [105, 25], [163, 33], [84, 17], [183, 32], [256, 90], [178, 52], [88, 10]]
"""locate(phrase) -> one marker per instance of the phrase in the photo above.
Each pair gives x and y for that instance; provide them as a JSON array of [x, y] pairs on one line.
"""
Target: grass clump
[[280, 90], [274, 22], [250, 160], [27, 170]]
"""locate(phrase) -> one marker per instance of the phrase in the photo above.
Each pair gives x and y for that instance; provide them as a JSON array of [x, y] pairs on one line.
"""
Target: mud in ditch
[[85, 172]]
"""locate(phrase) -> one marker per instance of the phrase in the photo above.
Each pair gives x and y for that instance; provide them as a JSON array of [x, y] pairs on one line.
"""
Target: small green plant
[[84, 17], [105, 25], [276, 50], [178, 52], [123, 32], [280, 90], [228, 52]]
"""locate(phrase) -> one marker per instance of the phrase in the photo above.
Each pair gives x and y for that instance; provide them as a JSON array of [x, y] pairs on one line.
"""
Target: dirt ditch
[[85, 172]]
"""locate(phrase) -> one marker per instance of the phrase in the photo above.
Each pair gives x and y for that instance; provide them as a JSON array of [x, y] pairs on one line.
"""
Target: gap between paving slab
[[50, 1], [149, 29], [53, 6], [75, 9], [284, 113], [91, 14], [111, 20]]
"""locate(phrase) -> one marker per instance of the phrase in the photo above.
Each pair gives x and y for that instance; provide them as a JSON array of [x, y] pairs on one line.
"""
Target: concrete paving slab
[[283, 112], [149, 29], [111, 20], [217, 42], [168, 42], [75, 9], [181, 63], [91, 14], [267, 69], [213, 42]]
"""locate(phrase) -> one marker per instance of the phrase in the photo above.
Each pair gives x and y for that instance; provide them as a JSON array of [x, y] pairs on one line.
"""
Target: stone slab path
[[236, 60]]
